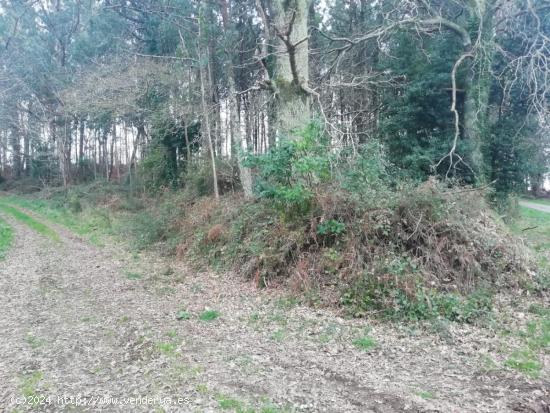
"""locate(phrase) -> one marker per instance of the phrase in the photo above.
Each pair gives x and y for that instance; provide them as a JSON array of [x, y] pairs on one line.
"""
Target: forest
[[190, 183], [161, 89]]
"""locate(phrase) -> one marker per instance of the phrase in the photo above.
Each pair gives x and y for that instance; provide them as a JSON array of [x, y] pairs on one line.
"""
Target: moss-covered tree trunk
[[292, 65], [476, 105]]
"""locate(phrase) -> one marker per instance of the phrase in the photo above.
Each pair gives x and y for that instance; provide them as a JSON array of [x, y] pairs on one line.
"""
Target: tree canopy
[[115, 88]]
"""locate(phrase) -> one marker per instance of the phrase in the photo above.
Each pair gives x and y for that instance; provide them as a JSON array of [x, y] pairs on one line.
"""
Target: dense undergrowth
[[340, 228]]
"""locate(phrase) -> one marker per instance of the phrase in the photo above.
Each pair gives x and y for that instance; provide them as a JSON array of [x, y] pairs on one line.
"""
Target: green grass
[[133, 275], [278, 335], [168, 349], [426, 395], [365, 343], [287, 303], [170, 346], [534, 227], [98, 212], [536, 342], [90, 223], [172, 334], [183, 315], [525, 362], [537, 334], [29, 221], [274, 409], [538, 201], [33, 341], [229, 403], [254, 318], [43, 208], [209, 315], [29, 383], [6, 238], [539, 310]]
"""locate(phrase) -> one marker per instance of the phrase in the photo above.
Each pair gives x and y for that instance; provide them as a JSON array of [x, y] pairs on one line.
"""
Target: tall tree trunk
[[208, 133], [112, 151], [59, 139], [476, 104], [15, 144], [474, 107], [132, 166], [292, 67], [104, 152], [203, 75], [245, 174], [27, 143], [81, 142], [3, 144]]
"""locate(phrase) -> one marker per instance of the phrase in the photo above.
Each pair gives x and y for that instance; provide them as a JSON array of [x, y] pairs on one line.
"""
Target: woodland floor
[[88, 322]]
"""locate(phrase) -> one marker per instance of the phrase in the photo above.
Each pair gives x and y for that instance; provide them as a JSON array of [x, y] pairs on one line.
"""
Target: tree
[[96, 88], [473, 25], [287, 22]]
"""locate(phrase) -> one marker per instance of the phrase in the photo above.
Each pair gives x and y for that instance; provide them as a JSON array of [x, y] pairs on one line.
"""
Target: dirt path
[[81, 324], [533, 205]]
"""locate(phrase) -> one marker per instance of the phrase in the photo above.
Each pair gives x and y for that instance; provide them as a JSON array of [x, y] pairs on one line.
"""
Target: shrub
[[156, 171], [366, 175], [153, 226], [330, 230], [331, 227], [85, 171], [215, 233], [74, 205], [390, 246], [405, 297], [44, 166], [198, 182], [289, 173]]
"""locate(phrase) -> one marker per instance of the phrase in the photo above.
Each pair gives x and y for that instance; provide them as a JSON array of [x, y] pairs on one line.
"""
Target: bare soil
[[84, 324], [533, 205]]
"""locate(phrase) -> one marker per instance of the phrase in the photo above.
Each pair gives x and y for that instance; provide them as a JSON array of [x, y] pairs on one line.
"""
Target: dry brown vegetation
[[429, 239]]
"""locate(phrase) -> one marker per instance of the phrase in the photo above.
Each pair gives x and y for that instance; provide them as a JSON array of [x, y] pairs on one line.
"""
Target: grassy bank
[[534, 227], [6, 237], [64, 208], [28, 221], [411, 258]]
